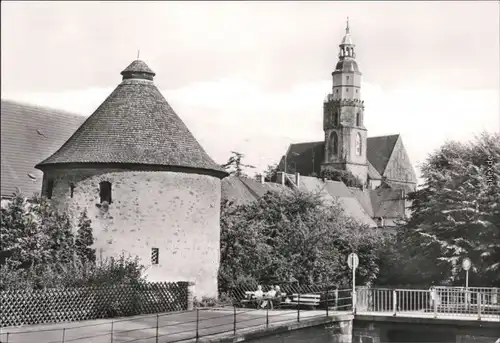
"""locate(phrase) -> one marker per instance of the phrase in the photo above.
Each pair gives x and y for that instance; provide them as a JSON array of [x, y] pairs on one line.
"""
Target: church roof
[[30, 133], [135, 125], [346, 65], [305, 158], [379, 151]]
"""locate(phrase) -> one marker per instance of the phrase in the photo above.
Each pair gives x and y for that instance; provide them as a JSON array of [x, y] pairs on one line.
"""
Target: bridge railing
[[435, 302]]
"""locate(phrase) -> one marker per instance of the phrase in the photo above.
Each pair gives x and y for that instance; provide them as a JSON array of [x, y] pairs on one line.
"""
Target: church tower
[[343, 115]]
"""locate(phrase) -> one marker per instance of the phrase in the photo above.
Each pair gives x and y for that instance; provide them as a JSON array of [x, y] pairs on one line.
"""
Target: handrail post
[[197, 324], [479, 306], [394, 302], [157, 327], [326, 302], [435, 302], [63, 335], [267, 317], [8, 333], [336, 299], [111, 333], [234, 320], [298, 308]]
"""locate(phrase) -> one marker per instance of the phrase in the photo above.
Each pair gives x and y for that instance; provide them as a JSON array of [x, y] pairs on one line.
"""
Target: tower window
[[358, 144], [105, 191], [155, 255], [337, 90], [347, 78], [358, 119], [335, 143], [50, 188], [72, 189], [347, 89]]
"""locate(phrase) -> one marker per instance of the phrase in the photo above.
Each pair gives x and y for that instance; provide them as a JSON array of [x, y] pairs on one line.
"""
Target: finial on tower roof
[[138, 53], [347, 26]]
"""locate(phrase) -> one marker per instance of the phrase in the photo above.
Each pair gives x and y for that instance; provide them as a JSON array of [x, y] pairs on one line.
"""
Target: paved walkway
[[173, 327]]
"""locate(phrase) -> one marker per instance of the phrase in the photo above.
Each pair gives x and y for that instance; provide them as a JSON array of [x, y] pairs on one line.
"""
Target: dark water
[[322, 334]]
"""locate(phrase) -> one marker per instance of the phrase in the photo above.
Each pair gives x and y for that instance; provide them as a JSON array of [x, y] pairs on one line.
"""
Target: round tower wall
[[178, 213]]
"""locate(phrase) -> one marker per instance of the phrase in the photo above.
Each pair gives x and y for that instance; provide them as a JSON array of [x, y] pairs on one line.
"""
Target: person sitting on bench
[[259, 295], [270, 296]]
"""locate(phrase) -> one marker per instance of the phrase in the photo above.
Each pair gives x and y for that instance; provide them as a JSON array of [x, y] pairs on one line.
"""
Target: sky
[[252, 76]]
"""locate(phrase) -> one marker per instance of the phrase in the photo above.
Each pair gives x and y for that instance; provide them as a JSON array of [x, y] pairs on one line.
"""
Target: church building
[[376, 161]]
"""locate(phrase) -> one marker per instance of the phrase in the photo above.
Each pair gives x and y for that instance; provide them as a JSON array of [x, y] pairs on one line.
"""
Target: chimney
[[262, 178], [297, 179], [380, 222], [280, 177]]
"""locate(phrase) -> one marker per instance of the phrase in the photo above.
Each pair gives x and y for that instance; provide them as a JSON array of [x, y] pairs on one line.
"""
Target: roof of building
[[135, 125], [304, 157], [346, 65], [29, 134], [373, 173], [379, 151]]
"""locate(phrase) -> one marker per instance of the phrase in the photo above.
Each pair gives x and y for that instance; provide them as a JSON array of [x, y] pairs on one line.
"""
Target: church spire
[[346, 45]]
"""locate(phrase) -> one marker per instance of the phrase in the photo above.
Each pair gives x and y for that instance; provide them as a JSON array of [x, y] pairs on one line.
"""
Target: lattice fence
[[64, 305]]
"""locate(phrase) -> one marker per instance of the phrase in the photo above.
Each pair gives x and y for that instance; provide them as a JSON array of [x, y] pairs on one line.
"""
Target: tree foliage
[[39, 249], [293, 236], [235, 166], [344, 176], [456, 214]]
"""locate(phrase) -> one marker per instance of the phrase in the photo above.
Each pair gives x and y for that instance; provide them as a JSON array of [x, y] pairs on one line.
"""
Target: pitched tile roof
[[135, 125], [387, 202], [373, 173], [29, 134], [379, 150]]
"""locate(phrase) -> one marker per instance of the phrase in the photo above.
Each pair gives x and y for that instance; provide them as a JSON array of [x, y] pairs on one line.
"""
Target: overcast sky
[[252, 76]]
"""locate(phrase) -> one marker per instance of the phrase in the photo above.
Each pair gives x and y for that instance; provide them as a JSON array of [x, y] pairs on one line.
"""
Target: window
[[358, 144], [358, 119], [337, 119], [50, 188], [347, 78], [155, 258], [335, 143], [347, 89], [72, 189], [105, 192], [337, 90]]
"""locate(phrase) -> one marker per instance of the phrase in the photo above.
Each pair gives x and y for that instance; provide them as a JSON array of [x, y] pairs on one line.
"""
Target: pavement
[[172, 327]]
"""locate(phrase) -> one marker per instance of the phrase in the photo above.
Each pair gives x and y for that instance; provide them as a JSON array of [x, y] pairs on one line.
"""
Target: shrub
[[344, 176]]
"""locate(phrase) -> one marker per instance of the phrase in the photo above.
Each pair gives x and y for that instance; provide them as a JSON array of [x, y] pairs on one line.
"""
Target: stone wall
[[178, 213]]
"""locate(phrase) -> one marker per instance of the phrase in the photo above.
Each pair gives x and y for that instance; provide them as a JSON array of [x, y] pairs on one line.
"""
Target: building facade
[[146, 183], [375, 161]]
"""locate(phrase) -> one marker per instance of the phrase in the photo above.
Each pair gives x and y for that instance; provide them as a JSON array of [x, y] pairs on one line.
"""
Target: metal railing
[[188, 325], [435, 302]]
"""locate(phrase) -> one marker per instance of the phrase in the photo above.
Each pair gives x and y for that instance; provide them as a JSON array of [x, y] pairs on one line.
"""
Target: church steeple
[[345, 134], [346, 45]]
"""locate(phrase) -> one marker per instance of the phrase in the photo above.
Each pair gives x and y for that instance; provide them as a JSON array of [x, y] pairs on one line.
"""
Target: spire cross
[[138, 53], [347, 26]]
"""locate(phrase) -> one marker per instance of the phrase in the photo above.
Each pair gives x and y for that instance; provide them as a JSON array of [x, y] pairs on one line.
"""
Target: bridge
[[369, 317]]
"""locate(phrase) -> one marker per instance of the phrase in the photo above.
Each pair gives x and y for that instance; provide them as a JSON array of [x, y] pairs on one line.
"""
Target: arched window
[[358, 119], [358, 144], [335, 144], [105, 191]]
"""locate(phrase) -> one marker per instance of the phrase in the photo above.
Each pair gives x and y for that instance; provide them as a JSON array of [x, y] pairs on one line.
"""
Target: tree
[[235, 164], [271, 172], [344, 176], [457, 212], [293, 235], [85, 238]]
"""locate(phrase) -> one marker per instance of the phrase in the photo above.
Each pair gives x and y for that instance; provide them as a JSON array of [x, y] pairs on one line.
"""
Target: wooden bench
[[310, 300], [250, 299]]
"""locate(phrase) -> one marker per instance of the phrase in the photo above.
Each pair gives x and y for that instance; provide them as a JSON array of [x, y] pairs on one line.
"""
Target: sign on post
[[353, 260], [353, 263], [466, 264]]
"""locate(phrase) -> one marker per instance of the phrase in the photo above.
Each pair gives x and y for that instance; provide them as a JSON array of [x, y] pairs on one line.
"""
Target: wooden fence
[[86, 303]]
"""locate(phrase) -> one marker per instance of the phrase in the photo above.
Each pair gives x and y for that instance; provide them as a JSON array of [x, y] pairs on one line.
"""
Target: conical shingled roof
[[135, 125]]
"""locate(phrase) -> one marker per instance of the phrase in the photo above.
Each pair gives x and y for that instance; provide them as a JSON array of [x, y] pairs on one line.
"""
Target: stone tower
[[147, 185], [343, 114]]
